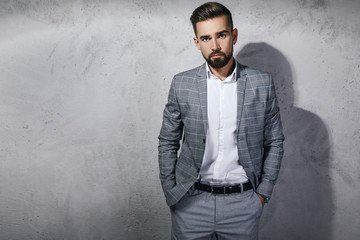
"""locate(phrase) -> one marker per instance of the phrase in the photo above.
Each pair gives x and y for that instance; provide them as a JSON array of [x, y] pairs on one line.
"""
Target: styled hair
[[210, 10]]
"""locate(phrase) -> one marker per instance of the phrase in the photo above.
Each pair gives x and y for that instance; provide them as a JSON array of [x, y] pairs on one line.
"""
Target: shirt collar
[[230, 78]]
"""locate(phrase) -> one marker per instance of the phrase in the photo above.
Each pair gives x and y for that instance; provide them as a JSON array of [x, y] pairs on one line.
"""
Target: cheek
[[204, 51], [229, 47]]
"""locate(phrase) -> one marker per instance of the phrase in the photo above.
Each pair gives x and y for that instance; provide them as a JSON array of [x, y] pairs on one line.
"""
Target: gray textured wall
[[82, 89]]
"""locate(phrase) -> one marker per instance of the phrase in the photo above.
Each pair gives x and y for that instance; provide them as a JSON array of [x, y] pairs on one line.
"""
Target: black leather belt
[[223, 189]]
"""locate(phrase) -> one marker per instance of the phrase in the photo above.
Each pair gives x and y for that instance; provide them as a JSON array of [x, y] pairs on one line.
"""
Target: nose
[[215, 46]]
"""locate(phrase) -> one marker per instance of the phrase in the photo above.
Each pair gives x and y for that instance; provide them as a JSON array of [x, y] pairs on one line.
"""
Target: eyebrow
[[217, 34], [222, 32]]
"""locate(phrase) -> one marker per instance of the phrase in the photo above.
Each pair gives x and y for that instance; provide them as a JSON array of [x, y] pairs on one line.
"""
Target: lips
[[217, 55]]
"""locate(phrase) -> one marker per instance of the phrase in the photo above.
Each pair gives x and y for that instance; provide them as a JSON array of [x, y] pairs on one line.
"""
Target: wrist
[[266, 199]]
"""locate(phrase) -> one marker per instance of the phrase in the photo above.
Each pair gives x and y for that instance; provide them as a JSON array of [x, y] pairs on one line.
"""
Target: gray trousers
[[201, 215]]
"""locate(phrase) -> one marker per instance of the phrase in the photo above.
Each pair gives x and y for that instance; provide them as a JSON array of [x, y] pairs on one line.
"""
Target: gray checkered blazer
[[259, 131]]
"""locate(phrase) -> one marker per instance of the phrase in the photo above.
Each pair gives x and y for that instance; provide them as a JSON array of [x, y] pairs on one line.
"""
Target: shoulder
[[256, 76], [254, 73], [188, 79], [192, 73]]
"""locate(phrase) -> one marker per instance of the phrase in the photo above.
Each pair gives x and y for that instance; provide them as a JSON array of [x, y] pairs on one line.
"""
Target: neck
[[224, 72]]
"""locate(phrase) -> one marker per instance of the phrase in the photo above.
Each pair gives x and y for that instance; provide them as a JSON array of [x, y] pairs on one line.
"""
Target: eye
[[205, 39], [222, 35]]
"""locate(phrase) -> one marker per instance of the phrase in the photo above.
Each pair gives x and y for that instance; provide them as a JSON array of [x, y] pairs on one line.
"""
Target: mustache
[[217, 52]]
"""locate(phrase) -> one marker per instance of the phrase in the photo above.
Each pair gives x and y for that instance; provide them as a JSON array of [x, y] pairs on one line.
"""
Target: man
[[232, 143]]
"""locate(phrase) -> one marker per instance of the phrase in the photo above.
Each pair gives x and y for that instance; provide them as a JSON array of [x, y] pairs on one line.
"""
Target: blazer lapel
[[202, 85], [241, 85], [244, 157]]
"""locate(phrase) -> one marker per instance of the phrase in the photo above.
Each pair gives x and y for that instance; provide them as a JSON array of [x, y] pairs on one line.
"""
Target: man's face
[[215, 40]]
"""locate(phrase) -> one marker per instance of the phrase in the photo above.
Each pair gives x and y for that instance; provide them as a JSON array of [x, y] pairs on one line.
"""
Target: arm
[[273, 145], [169, 140]]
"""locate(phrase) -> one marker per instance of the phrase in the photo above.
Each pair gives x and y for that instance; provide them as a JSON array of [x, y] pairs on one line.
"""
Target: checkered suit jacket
[[259, 131]]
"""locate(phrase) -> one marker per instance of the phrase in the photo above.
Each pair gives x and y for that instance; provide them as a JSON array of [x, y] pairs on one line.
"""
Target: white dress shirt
[[220, 163]]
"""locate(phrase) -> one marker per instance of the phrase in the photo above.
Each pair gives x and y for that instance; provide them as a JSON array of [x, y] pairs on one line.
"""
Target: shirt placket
[[217, 168]]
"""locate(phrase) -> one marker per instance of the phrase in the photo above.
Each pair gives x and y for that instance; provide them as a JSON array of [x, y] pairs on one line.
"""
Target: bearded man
[[228, 119]]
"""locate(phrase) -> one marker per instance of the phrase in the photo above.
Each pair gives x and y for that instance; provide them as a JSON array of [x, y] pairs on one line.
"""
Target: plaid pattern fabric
[[259, 131]]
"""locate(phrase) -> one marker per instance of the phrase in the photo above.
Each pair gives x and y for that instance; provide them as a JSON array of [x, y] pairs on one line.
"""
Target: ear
[[235, 35], [196, 41]]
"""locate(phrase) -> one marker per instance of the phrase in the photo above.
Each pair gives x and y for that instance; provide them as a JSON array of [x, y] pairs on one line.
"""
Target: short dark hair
[[210, 10]]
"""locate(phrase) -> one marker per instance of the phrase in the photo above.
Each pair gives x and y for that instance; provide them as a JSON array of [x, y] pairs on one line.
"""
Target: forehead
[[212, 26]]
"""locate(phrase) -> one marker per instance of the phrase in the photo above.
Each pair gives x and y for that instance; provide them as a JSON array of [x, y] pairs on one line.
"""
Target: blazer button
[[204, 141]]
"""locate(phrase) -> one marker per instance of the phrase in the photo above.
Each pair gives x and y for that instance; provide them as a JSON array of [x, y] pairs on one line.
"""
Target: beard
[[218, 63]]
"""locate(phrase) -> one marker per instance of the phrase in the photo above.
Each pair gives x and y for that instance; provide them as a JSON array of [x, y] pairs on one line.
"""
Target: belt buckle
[[212, 188]]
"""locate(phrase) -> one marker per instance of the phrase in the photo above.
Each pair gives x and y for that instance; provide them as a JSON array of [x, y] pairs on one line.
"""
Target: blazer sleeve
[[169, 140], [273, 144]]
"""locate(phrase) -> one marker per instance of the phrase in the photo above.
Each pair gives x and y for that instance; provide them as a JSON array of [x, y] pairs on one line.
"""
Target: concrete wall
[[82, 89]]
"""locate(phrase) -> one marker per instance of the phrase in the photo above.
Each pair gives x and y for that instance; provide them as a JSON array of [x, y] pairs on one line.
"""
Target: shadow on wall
[[302, 202]]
